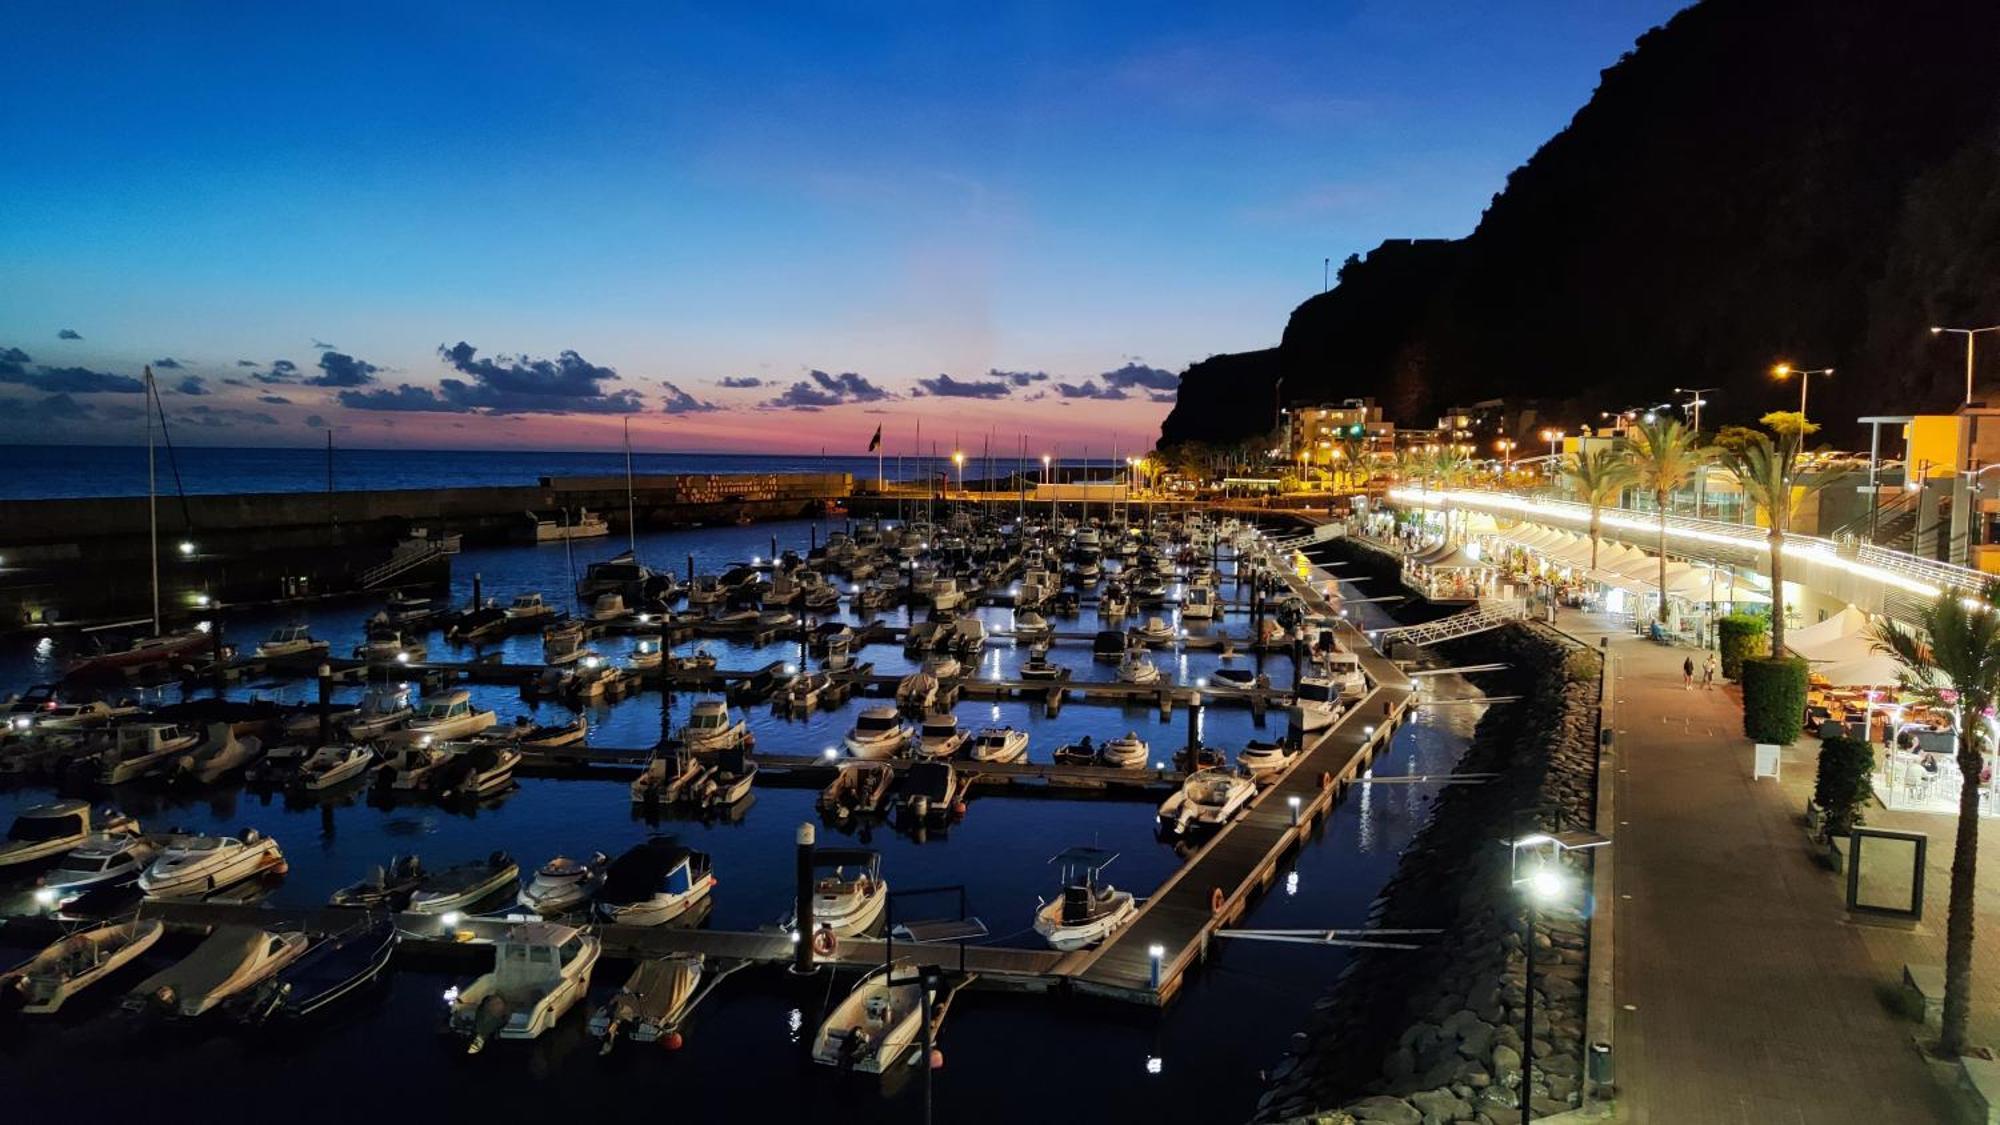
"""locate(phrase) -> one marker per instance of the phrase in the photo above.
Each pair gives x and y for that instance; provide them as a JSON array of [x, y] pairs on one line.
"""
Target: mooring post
[[325, 704], [477, 601], [774, 552], [802, 947], [1194, 724], [813, 537], [690, 568], [1157, 954]]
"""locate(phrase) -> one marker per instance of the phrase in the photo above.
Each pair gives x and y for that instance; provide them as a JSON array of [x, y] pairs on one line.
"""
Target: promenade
[[1745, 995]]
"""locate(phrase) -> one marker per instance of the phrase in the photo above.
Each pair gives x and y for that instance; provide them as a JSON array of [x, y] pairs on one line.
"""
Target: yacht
[[711, 726], [193, 866], [1208, 798], [943, 666], [1000, 744], [857, 787], [1088, 910], [447, 716], [879, 732], [563, 884], [562, 643], [1029, 625], [222, 754], [1154, 632], [1316, 702], [391, 647], [104, 860], [143, 748], [616, 575], [1136, 668], [878, 1022], [290, 642], [77, 961], [464, 885], [1343, 669], [655, 883], [540, 970], [584, 525], [331, 765], [940, 736], [916, 691], [232, 961], [1128, 751], [1257, 759], [849, 896], [383, 707], [527, 609], [1198, 603], [41, 833]]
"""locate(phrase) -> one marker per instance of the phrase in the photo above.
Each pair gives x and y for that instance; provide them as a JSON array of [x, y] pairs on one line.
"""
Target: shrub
[[1842, 786], [1580, 666], [1774, 698], [1741, 635]]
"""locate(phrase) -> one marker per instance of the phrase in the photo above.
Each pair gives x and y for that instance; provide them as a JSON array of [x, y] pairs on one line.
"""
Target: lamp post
[[1805, 375], [1545, 884], [1554, 438], [958, 458], [1970, 335], [1505, 447], [1694, 404]]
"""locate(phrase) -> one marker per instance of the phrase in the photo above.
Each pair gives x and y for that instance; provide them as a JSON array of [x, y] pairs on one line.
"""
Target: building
[[1320, 435]]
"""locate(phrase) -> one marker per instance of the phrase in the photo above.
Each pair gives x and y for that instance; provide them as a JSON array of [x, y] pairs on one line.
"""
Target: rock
[[1475, 1041], [1401, 1063], [1506, 1066], [1385, 1111], [1564, 1064], [1441, 1105]]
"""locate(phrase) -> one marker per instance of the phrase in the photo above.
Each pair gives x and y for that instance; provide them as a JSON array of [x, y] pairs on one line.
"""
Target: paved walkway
[[1745, 996]]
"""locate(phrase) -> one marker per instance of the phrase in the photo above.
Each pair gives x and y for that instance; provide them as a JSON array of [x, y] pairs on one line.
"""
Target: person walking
[[1708, 669], [1687, 674]]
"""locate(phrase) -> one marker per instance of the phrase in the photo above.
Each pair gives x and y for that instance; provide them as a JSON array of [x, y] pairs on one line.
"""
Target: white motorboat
[[144, 748], [916, 691], [706, 590], [409, 767], [1316, 703], [945, 594], [652, 1003], [540, 971], [711, 726], [391, 647], [480, 770], [857, 787], [943, 666], [46, 832], [1127, 751], [666, 778], [1343, 668], [526, 609], [289, 642], [878, 732], [1155, 632], [1088, 910], [940, 736], [608, 607], [1198, 603], [727, 783], [1029, 625], [878, 1023], [932, 792], [232, 961], [562, 644], [1208, 798], [192, 866], [1113, 603], [772, 620], [105, 859], [1257, 759], [999, 744], [383, 707], [1135, 667], [584, 525], [655, 883], [224, 753], [850, 895], [647, 654], [464, 885], [448, 716], [78, 961], [383, 888], [563, 885], [331, 765], [805, 690]]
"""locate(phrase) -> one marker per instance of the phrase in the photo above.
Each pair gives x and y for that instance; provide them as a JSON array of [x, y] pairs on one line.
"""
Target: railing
[[1486, 615], [406, 558]]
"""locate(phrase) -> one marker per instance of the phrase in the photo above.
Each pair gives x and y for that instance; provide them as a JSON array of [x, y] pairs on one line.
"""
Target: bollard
[[1156, 954], [690, 568], [1600, 1067], [1194, 735], [802, 951], [325, 704], [1294, 802], [774, 551], [476, 601]]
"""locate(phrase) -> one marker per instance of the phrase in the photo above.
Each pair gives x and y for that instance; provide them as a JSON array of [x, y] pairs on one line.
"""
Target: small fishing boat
[[1000, 744], [193, 866], [943, 666], [916, 691], [464, 885], [383, 706], [1088, 910], [391, 647], [527, 609], [1113, 603], [878, 733], [849, 896], [334, 968], [43, 833], [49, 978], [608, 607], [140, 749], [540, 970], [331, 765], [1029, 625], [410, 767], [1041, 668], [617, 574], [859, 787], [805, 691], [1136, 668], [931, 792], [1198, 603], [1155, 632], [655, 883], [667, 777], [383, 888], [1343, 669], [233, 960], [940, 736], [1260, 758], [585, 524], [446, 716], [293, 642], [1316, 703], [712, 726], [1128, 751], [1209, 798], [479, 771], [1109, 644], [877, 1023], [647, 654], [563, 884], [527, 735], [1081, 753], [222, 754], [652, 1003], [562, 644], [729, 782]]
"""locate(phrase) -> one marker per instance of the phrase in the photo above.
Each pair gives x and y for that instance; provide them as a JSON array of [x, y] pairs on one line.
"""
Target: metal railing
[[1486, 615], [405, 559]]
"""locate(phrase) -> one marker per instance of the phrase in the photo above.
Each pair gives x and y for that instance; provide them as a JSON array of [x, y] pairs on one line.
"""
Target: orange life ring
[[1215, 900], [824, 943]]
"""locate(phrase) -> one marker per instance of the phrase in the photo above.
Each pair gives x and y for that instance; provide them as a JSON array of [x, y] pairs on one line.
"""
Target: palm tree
[[1767, 469], [1599, 477], [1952, 661], [1664, 455]]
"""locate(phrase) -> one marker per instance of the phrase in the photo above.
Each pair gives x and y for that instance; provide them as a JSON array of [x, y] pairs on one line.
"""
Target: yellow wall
[[1933, 438]]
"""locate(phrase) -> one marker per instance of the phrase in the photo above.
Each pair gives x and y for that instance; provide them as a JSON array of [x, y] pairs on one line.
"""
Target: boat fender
[[1325, 781], [823, 941], [1215, 900], [672, 1041]]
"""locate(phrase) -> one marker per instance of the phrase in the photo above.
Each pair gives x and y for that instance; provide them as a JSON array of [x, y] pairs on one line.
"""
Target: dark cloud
[[680, 402], [827, 390], [1020, 378], [282, 371], [1139, 375], [237, 382], [739, 382], [320, 345], [567, 384], [1162, 396], [13, 364], [1089, 389], [246, 363], [168, 363], [403, 398], [275, 400], [192, 385], [224, 416], [338, 370], [317, 422], [54, 408], [944, 386], [71, 380], [69, 334]]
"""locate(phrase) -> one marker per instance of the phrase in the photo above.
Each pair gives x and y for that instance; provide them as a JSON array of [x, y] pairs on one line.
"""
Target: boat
[[464, 885], [940, 736], [1081, 753], [383, 888], [526, 609], [334, 968], [1109, 644], [849, 896], [75, 962], [584, 525], [1198, 603], [857, 787], [667, 777], [711, 726], [932, 791], [608, 607], [526, 734], [1208, 798], [652, 1003], [772, 620], [1128, 751], [1343, 668], [139, 749], [223, 754], [916, 691], [233, 960], [1154, 632], [410, 766], [442, 717], [1259, 758], [878, 732], [104, 861], [706, 590], [805, 690], [289, 642], [41, 833], [391, 647], [729, 782], [943, 666], [563, 884], [1029, 625], [331, 765], [540, 970], [1316, 703], [1113, 602], [192, 866], [383, 707], [157, 650], [1041, 668], [1088, 910], [619, 574], [562, 643], [1136, 668], [1000, 744], [655, 883], [647, 653], [877, 1023], [480, 770], [406, 608]]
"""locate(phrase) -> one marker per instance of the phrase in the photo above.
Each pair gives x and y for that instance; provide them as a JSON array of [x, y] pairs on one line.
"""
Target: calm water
[[38, 472], [1007, 1057]]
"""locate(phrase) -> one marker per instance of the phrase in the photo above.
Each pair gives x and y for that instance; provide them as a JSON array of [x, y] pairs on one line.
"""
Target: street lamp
[[1694, 403], [1805, 375], [959, 460], [1505, 446], [1554, 438], [1970, 334], [1544, 885]]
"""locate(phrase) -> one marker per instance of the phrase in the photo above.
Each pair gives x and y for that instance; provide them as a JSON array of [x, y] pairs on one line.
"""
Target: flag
[[875, 442]]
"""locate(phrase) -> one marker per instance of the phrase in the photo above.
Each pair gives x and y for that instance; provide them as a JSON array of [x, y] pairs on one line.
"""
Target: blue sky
[[741, 192]]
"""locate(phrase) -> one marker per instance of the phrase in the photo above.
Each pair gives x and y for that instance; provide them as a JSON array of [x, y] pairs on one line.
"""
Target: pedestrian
[[1687, 674], [1708, 668]]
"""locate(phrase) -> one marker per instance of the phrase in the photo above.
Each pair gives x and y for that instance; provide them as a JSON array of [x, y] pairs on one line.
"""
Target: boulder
[[1383, 1110], [1506, 1066], [1441, 1105]]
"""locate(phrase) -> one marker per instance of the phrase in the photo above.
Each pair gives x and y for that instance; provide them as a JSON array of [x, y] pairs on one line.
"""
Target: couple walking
[[1708, 670]]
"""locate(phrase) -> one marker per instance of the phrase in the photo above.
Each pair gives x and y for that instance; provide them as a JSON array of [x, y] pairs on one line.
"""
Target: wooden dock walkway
[[814, 771]]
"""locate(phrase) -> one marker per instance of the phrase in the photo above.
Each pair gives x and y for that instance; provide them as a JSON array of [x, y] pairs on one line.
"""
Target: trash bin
[[1600, 1065]]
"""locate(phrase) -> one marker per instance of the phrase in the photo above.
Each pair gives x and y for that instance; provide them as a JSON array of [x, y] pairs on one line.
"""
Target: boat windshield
[[82, 865], [35, 829], [875, 724], [527, 601], [1318, 691], [678, 881], [705, 720], [441, 710], [940, 729]]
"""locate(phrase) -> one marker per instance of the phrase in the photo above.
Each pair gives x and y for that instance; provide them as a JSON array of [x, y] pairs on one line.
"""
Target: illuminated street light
[[1805, 374], [187, 548], [1970, 334]]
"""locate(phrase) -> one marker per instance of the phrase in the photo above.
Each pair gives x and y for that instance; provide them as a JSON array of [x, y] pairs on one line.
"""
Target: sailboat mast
[[631, 523], [153, 495]]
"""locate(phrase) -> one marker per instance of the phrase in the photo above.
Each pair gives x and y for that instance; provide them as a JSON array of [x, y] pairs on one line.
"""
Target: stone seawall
[[1435, 1035]]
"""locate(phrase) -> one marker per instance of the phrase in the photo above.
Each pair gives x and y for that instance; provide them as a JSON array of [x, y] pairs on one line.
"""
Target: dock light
[[591, 662], [45, 897], [829, 754], [402, 658], [795, 941], [1294, 803], [791, 669], [187, 547], [644, 618], [1368, 732], [756, 560], [1291, 882], [451, 995], [1152, 1064], [1156, 954], [425, 740], [1159, 765], [1546, 885], [1201, 681], [201, 600], [451, 919]]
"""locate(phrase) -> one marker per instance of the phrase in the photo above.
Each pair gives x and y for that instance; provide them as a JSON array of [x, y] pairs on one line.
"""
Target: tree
[[1599, 477], [1767, 468], [1952, 661], [1664, 455]]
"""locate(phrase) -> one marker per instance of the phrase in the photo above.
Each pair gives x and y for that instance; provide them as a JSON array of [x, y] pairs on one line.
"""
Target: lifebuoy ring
[[824, 943], [1215, 900]]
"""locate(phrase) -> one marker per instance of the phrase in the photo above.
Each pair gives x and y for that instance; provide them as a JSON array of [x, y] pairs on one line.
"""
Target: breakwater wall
[[1435, 1034]]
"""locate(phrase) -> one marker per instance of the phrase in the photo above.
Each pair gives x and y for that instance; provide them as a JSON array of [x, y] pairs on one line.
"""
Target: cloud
[[338, 370], [1162, 396], [246, 363], [13, 364], [680, 402], [944, 386], [403, 398], [1020, 378], [317, 422], [168, 363], [739, 382], [192, 385], [827, 390], [320, 345], [69, 334], [1089, 389], [70, 380], [220, 416], [282, 371], [567, 384], [1142, 376], [54, 408], [237, 382], [275, 400]]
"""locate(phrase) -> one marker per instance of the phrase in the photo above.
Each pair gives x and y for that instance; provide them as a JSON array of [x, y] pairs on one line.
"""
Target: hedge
[[1741, 635], [1774, 698], [1843, 786]]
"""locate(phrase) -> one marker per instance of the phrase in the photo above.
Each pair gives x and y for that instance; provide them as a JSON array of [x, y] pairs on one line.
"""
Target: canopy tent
[[1842, 650], [1458, 558], [1807, 641]]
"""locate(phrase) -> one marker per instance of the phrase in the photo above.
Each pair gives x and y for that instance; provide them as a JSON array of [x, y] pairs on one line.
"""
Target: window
[[570, 949], [34, 829]]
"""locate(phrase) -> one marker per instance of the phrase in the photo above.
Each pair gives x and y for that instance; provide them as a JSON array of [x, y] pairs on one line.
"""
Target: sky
[[743, 227]]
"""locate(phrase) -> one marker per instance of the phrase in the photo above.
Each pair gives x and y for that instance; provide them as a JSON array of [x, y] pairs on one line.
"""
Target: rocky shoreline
[[1434, 1035]]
